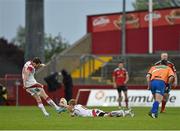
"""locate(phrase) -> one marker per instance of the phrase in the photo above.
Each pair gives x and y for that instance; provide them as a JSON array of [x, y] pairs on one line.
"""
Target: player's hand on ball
[[63, 102]]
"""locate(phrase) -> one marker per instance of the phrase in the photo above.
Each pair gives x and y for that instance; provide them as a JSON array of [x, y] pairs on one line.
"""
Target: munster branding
[[138, 99], [109, 97]]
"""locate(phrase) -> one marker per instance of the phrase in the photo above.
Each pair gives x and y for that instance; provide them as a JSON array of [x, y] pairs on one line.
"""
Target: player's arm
[[71, 110], [148, 78], [26, 75], [114, 79], [175, 79], [68, 107], [170, 82], [42, 65], [175, 75], [127, 78], [84, 107], [114, 82], [170, 78]]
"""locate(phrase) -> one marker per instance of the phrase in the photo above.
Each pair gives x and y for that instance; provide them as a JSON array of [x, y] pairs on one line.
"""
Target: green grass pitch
[[31, 117]]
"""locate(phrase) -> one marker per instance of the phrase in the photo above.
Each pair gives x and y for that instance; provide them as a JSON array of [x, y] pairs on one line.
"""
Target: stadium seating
[[137, 66], [90, 66]]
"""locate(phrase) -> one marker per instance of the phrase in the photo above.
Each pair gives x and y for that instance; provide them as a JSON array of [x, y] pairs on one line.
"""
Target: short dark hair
[[36, 60], [121, 62], [164, 62], [64, 72]]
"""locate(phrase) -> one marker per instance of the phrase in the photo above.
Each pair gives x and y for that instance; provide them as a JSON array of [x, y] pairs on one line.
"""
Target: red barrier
[[26, 99], [105, 35]]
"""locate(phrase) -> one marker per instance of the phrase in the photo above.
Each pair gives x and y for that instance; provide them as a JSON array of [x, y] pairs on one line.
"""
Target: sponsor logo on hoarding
[[101, 21], [136, 99], [135, 20], [156, 15], [104, 97], [99, 95]]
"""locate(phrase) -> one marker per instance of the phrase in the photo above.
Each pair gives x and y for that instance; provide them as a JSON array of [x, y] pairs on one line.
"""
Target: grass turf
[[31, 117]]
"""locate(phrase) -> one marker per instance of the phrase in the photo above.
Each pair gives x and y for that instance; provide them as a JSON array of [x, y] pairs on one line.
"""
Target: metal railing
[[137, 66], [91, 66]]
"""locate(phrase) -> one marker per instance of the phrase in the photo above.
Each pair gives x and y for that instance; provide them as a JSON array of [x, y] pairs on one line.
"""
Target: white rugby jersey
[[80, 110], [31, 80]]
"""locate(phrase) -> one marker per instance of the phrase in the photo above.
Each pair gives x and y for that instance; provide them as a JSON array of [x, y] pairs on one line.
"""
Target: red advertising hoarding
[[133, 20]]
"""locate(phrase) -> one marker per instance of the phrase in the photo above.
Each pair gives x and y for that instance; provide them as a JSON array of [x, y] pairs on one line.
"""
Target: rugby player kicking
[[34, 88], [79, 110]]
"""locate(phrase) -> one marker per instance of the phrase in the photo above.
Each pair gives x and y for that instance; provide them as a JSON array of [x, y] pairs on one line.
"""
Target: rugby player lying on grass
[[79, 110]]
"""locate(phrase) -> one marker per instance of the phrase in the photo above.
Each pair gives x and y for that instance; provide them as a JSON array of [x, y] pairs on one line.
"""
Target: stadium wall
[[106, 31], [166, 38]]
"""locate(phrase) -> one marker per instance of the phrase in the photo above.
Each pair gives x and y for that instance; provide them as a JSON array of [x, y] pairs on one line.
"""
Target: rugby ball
[[63, 101]]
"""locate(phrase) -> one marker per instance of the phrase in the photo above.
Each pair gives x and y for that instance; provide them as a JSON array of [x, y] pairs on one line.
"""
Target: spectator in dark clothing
[[3, 95], [68, 84], [52, 81]]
